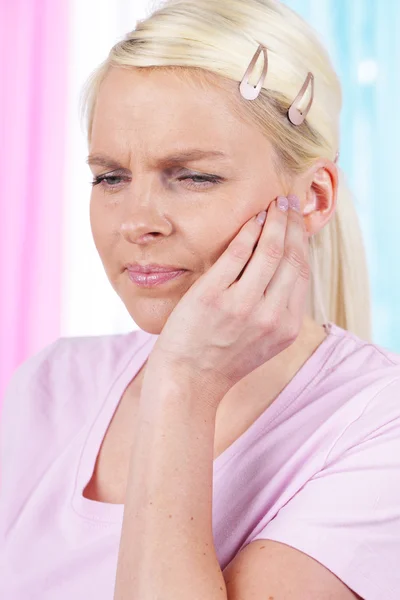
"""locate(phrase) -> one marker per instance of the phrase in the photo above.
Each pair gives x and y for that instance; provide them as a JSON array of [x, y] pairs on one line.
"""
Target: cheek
[[101, 228], [215, 237], [95, 225]]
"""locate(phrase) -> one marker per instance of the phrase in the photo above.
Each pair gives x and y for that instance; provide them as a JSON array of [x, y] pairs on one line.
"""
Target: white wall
[[90, 305]]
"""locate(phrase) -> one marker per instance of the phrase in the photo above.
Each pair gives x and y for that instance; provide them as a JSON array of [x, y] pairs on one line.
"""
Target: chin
[[150, 314], [149, 327]]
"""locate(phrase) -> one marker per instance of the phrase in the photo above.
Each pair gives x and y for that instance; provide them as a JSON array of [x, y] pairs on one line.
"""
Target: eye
[[197, 181], [202, 180], [109, 179]]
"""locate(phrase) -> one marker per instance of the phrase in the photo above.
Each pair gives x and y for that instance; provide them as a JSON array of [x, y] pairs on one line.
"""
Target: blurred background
[[52, 282]]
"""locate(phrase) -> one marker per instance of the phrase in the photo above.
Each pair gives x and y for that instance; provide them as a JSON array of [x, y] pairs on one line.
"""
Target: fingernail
[[282, 203], [294, 202], [261, 217]]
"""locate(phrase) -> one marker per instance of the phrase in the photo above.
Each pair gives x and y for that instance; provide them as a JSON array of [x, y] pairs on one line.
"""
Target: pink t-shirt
[[319, 470]]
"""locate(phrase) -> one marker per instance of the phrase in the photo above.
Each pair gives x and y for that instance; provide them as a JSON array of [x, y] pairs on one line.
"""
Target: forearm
[[167, 549]]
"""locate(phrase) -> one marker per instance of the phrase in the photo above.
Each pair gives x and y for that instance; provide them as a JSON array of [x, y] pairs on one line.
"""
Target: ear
[[317, 190]]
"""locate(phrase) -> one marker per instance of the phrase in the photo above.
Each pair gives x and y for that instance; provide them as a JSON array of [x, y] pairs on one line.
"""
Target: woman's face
[[150, 211]]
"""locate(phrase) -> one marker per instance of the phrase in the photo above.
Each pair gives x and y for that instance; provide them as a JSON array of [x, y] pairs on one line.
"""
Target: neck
[[268, 380], [284, 366]]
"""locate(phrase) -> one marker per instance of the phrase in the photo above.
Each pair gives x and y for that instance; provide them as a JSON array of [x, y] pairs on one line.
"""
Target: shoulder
[[346, 516], [73, 363], [375, 423], [357, 377], [52, 396], [358, 356], [71, 372]]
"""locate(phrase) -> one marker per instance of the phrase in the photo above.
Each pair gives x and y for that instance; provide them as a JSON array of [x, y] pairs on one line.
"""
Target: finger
[[297, 304], [298, 299], [266, 257], [232, 261], [293, 264]]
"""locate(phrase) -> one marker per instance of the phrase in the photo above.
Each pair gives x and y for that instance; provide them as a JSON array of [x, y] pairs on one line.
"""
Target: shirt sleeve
[[19, 407], [20, 403], [347, 516]]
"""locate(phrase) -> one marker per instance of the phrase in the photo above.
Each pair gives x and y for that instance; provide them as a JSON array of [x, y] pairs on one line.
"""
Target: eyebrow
[[190, 155]]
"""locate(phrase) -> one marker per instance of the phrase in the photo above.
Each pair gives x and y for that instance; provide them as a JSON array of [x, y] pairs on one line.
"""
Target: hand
[[246, 308]]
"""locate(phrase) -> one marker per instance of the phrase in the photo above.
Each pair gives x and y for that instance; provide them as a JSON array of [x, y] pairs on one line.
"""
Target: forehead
[[143, 109]]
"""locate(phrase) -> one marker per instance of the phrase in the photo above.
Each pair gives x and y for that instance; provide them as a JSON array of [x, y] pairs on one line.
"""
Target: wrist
[[164, 369]]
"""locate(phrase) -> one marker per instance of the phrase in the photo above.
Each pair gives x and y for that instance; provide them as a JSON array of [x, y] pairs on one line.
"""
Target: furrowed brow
[[184, 156], [190, 155], [102, 160]]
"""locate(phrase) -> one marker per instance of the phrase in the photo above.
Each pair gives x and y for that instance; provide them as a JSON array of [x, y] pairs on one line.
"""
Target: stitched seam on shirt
[[51, 350], [93, 423], [355, 420], [380, 351], [291, 401], [306, 387]]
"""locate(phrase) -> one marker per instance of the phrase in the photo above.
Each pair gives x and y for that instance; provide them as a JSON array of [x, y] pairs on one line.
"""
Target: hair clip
[[248, 91], [296, 116]]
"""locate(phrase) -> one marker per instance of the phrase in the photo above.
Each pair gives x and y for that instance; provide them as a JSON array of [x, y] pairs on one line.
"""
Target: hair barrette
[[250, 92]]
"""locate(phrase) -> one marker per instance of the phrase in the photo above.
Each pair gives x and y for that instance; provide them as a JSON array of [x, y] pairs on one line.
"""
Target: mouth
[[149, 280]]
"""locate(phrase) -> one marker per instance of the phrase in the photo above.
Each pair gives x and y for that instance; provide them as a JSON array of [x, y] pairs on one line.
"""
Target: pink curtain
[[33, 82]]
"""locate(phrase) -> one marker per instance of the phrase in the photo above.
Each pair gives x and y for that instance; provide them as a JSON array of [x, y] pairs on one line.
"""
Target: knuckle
[[276, 322], [271, 321], [273, 251], [305, 271], [211, 300], [294, 256], [240, 249], [242, 312], [291, 331]]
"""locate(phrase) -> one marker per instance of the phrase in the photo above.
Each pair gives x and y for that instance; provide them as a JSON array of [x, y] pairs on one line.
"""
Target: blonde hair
[[212, 42]]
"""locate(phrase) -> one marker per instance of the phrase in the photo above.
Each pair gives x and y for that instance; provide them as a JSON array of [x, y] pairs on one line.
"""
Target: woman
[[245, 441]]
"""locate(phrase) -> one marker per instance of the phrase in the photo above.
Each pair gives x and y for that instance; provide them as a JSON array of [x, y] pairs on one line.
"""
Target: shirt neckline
[[104, 513]]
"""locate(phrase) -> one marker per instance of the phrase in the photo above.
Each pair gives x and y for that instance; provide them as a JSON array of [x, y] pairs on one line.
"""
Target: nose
[[144, 226], [144, 219]]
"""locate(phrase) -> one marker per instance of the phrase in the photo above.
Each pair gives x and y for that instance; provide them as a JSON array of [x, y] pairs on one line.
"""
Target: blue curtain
[[363, 39]]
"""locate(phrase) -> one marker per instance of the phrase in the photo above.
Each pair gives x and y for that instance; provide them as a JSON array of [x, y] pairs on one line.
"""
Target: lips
[[153, 268], [153, 279]]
